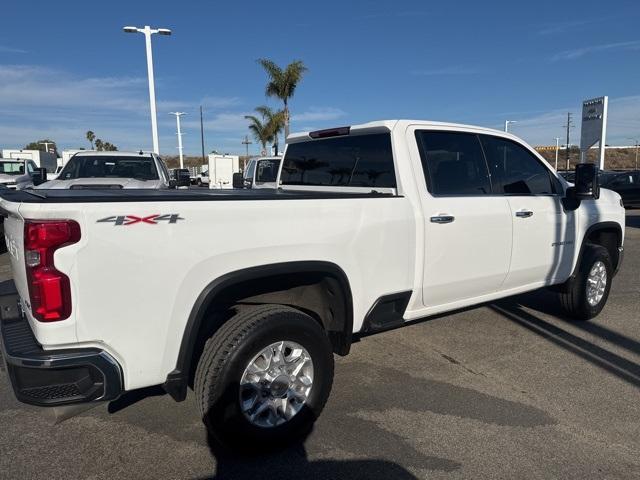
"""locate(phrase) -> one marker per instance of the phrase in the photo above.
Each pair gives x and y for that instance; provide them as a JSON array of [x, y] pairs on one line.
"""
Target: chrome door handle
[[524, 214], [443, 219]]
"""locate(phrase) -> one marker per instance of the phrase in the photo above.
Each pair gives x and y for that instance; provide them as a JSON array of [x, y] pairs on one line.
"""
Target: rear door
[[467, 229], [543, 232]]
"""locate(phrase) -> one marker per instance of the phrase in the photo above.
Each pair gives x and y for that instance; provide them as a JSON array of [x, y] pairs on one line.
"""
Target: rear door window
[[453, 163], [348, 161]]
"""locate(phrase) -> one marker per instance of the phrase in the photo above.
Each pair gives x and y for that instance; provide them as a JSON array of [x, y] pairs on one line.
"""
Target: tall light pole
[[507, 123], [148, 31], [202, 134], [557, 148], [179, 132]]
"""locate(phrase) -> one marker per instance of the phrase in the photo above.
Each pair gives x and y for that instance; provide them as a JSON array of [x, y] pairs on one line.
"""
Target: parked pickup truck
[[114, 170], [245, 295]]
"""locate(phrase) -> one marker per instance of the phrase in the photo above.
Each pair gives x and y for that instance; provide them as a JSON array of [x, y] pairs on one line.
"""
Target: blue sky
[[66, 67]]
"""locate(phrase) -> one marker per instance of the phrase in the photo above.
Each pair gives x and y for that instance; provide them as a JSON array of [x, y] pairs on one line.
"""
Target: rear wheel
[[586, 295], [264, 377]]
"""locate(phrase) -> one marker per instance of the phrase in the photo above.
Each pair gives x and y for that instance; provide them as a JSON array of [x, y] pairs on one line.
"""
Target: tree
[[45, 145], [259, 131], [102, 146], [282, 83], [273, 123], [91, 137]]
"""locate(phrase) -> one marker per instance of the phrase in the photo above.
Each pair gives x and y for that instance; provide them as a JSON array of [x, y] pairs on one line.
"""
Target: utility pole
[[568, 127], [178, 115], [557, 148], [636, 142], [202, 134], [246, 142]]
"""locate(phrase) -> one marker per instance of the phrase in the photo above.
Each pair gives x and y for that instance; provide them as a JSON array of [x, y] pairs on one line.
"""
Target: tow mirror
[[587, 185], [238, 180], [39, 176]]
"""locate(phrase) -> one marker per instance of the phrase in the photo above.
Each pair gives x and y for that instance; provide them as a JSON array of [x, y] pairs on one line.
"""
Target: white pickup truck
[[90, 169], [244, 296]]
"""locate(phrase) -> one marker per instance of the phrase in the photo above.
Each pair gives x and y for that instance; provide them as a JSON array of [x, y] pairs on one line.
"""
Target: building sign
[[594, 125]]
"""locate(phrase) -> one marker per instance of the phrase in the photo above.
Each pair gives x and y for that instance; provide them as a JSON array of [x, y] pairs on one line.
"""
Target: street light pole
[[178, 115], [148, 31], [557, 148], [507, 123]]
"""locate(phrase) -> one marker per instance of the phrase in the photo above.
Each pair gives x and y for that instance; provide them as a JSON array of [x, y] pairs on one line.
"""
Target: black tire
[[199, 182], [573, 298], [226, 355]]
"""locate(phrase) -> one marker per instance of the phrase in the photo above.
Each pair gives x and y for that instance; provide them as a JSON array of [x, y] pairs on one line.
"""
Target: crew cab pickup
[[245, 295]]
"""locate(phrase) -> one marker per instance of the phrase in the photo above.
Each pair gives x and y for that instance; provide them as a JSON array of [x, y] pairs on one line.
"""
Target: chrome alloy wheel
[[596, 283], [276, 384]]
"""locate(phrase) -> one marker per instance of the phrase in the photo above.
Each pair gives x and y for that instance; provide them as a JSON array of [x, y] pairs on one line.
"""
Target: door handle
[[442, 219], [524, 214]]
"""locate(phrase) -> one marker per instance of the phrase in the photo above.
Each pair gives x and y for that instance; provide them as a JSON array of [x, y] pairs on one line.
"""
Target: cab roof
[[388, 125], [117, 153]]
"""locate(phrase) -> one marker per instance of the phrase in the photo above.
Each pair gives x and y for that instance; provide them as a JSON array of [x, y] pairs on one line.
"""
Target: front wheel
[[264, 377], [585, 296]]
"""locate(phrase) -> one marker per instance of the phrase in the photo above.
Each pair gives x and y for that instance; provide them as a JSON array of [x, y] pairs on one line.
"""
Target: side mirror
[[587, 184], [181, 178], [39, 176], [238, 180]]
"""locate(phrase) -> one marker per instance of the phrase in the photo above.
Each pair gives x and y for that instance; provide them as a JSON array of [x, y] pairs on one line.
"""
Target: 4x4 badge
[[134, 219]]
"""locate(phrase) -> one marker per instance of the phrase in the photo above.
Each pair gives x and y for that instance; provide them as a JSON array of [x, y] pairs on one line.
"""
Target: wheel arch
[[319, 288], [606, 234]]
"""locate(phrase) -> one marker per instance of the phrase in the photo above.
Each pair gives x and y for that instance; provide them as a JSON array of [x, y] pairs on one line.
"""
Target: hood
[[5, 178], [97, 182]]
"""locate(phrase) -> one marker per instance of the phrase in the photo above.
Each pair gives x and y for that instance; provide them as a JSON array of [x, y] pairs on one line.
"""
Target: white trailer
[[221, 170]]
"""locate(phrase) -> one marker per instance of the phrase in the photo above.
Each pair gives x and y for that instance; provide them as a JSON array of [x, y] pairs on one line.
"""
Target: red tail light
[[49, 289]]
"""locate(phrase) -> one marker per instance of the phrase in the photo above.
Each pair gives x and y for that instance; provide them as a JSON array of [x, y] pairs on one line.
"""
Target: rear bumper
[[52, 377]]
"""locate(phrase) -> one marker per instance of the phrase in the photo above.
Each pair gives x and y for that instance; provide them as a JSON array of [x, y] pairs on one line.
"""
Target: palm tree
[[259, 130], [282, 83], [273, 122], [91, 137]]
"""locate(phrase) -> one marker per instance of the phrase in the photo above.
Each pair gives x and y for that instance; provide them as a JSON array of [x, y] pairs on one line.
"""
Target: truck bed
[[190, 195]]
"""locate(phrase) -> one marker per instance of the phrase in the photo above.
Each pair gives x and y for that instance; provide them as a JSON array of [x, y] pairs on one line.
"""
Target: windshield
[[86, 166], [11, 168]]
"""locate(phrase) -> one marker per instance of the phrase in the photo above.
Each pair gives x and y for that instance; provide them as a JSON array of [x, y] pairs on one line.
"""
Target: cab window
[[453, 163], [515, 170]]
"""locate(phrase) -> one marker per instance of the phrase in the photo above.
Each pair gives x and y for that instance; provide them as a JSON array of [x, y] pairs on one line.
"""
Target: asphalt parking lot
[[506, 390]]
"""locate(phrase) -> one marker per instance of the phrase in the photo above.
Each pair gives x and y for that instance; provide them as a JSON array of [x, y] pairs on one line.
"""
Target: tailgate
[[13, 234]]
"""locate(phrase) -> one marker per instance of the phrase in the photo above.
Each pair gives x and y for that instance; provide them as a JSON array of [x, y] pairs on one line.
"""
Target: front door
[[543, 232]]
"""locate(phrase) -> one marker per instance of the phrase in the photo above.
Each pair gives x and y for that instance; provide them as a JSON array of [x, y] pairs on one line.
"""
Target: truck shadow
[[516, 310], [293, 463]]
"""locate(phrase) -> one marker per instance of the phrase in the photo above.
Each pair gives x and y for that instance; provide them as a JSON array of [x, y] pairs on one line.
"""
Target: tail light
[[49, 289]]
